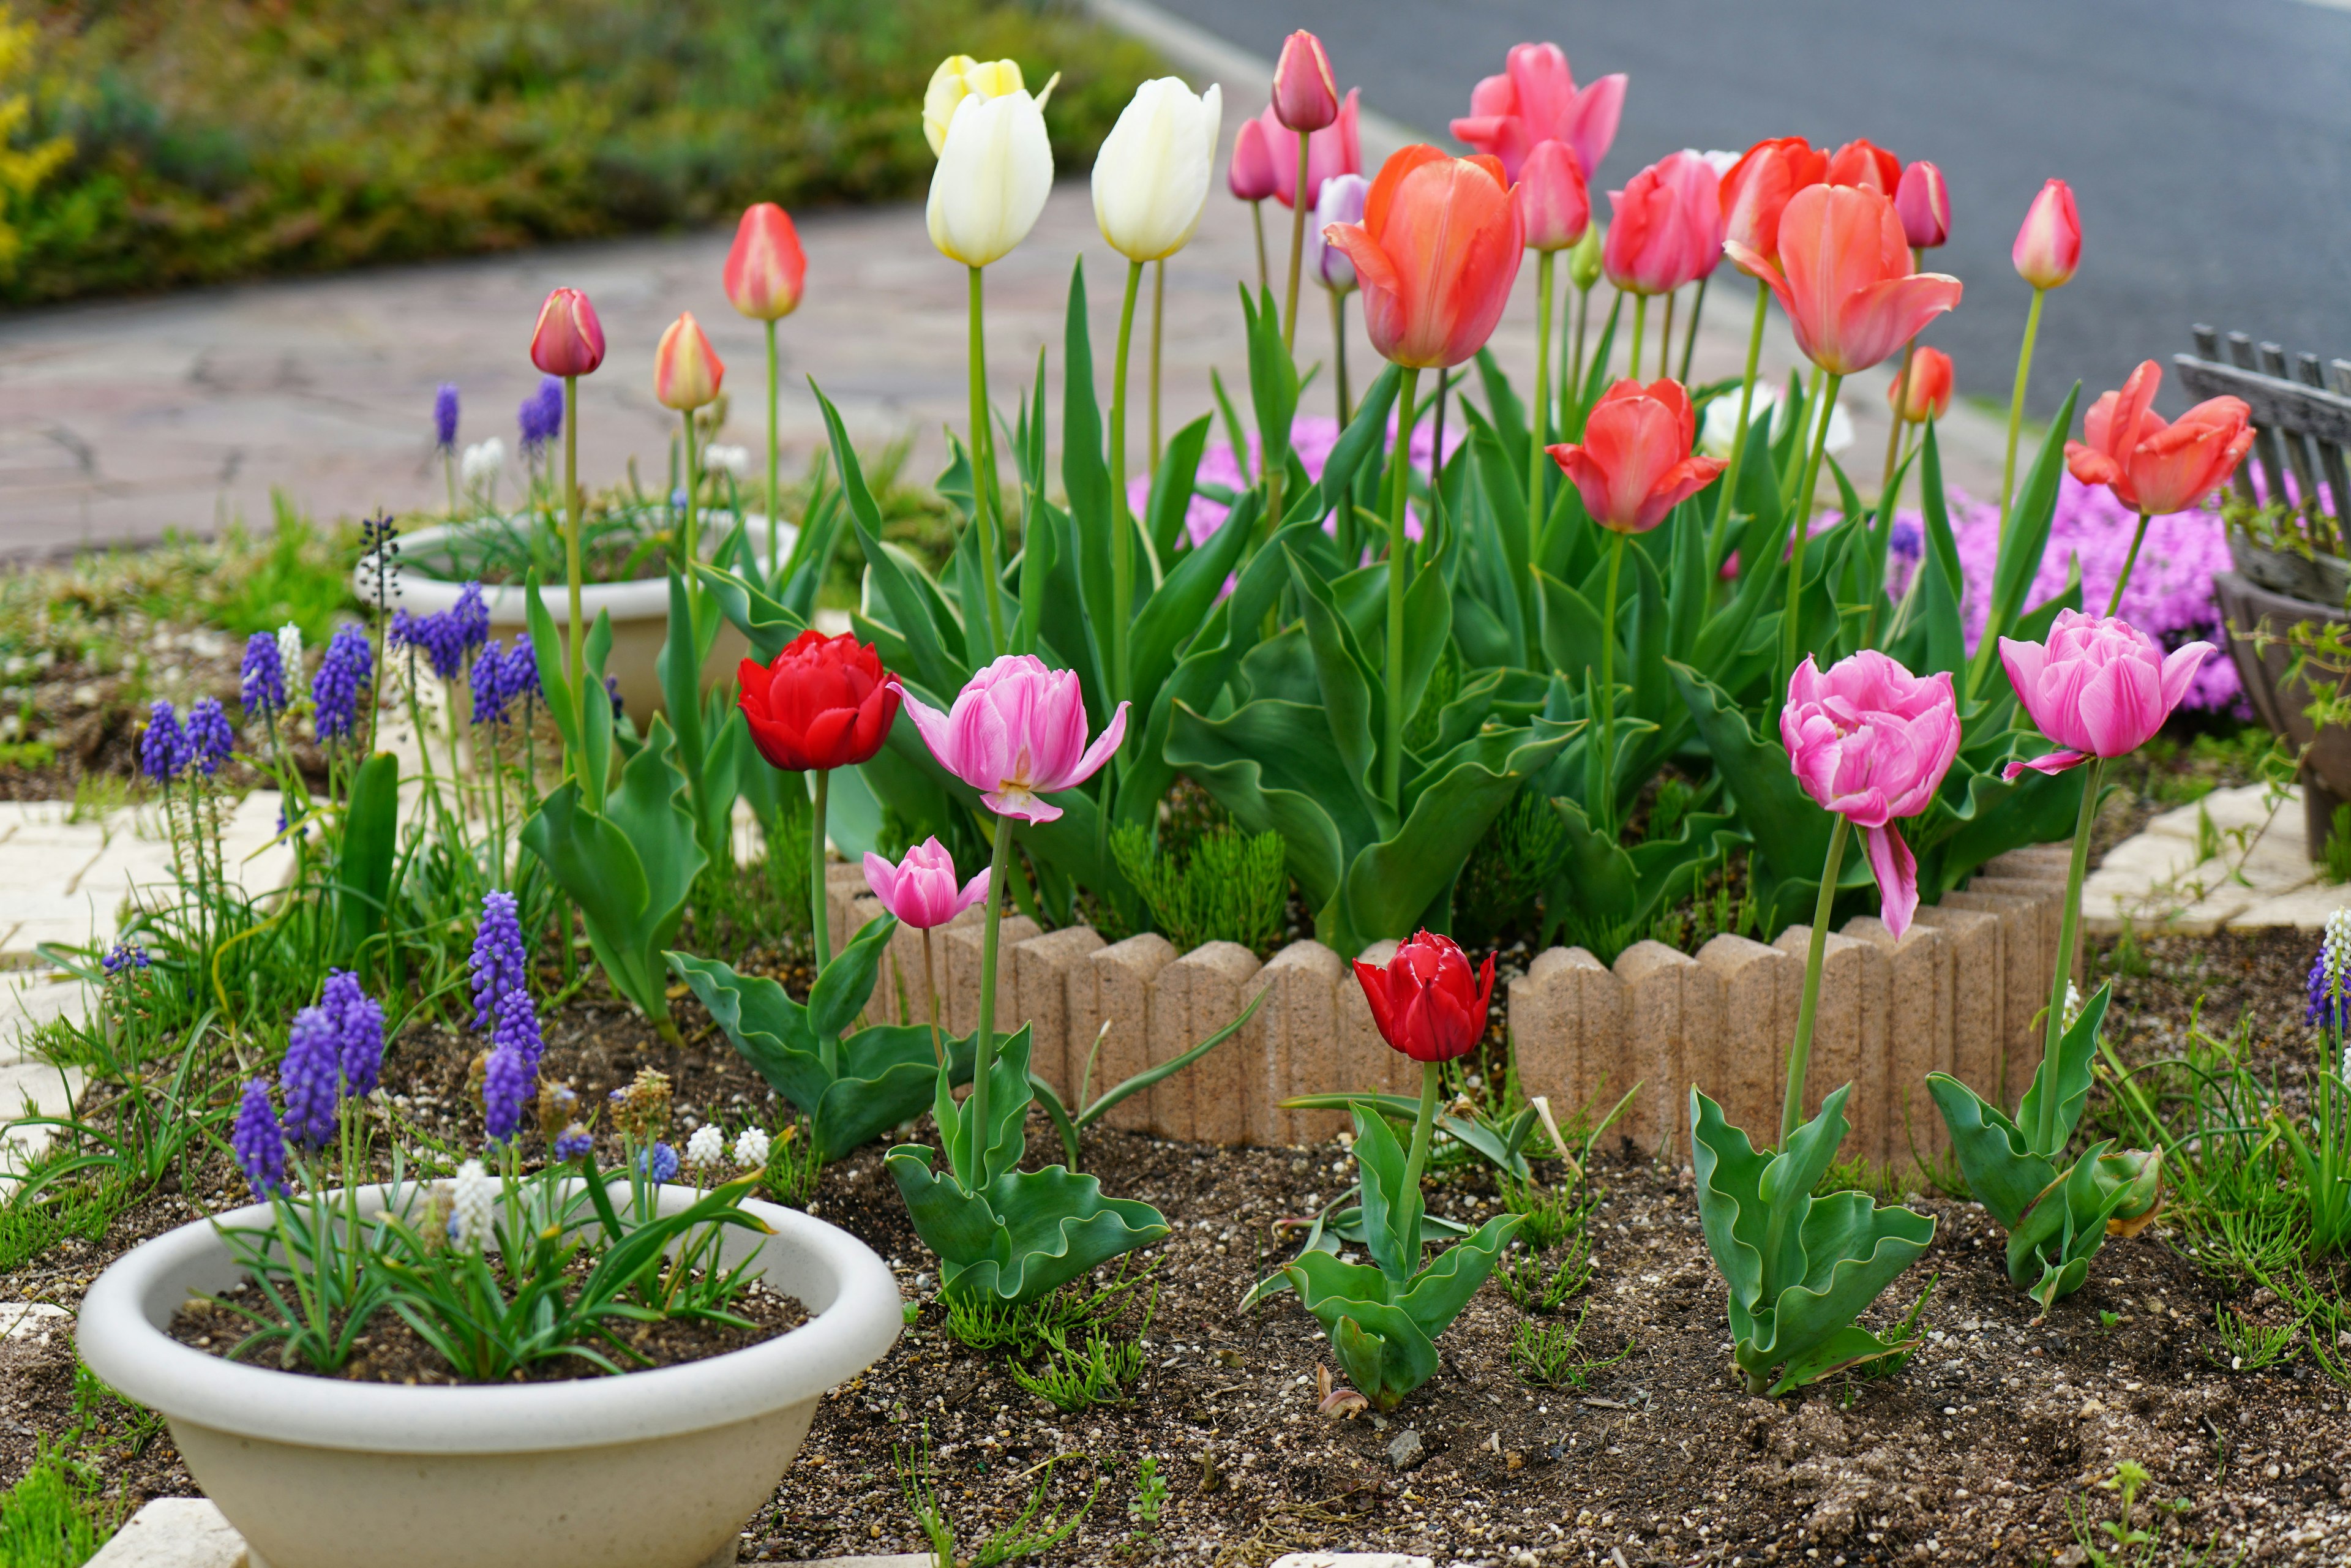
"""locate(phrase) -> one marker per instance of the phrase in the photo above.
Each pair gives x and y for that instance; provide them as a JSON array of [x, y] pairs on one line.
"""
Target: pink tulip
[[1435, 254], [569, 340], [2049, 245], [1871, 741], [2153, 467], [1305, 95], [1666, 228], [1554, 208], [1018, 733], [921, 889], [2098, 687], [1923, 206], [1845, 277], [764, 267], [1250, 175], [1535, 100], [1756, 189], [1865, 163], [1336, 149]]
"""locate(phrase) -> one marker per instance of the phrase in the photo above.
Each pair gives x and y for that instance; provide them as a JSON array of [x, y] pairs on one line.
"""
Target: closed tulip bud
[[1150, 178], [1342, 202], [1583, 262], [960, 77], [1337, 149], [1553, 205], [1666, 225], [687, 368], [1305, 93], [569, 340], [1250, 176], [764, 267], [1924, 205], [2048, 245], [1929, 386], [1865, 163], [995, 172]]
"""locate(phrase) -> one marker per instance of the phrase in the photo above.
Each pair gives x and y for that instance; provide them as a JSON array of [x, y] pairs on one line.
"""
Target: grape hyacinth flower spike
[[163, 747], [312, 1078], [706, 1147], [2330, 977], [498, 962], [258, 1141], [210, 741], [343, 674], [751, 1149], [473, 1207], [261, 679], [575, 1142], [358, 1031]]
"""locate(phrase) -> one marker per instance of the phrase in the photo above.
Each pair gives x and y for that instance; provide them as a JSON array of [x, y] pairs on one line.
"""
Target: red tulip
[[1924, 205], [1426, 1002], [2151, 466], [2049, 244], [1305, 94], [1667, 226], [1437, 252], [826, 702], [1756, 190], [1634, 464], [1250, 175], [1866, 165], [1337, 149], [1535, 100], [1555, 207], [1930, 385], [1845, 277], [764, 267], [569, 340]]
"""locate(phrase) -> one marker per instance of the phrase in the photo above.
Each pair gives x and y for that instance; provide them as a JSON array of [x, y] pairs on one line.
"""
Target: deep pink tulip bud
[[1305, 93], [569, 340], [1553, 205], [1017, 733], [1871, 742], [1666, 228], [2098, 687], [1924, 205], [1250, 174], [2048, 245], [921, 889]]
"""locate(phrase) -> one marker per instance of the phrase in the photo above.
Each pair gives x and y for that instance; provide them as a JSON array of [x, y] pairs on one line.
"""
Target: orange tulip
[[764, 267], [1931, 386], [1634, 464], [1437, 252], [2049, 244], [2154, 467], [1756, 190], [569, 340], [1555, 207], [1845, 277], [1866, 165], [687, 370], [1666, 228]]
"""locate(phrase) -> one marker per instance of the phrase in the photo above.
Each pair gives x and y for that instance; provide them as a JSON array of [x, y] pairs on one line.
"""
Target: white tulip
[[995, 172], [959, 76], [1151, 179]]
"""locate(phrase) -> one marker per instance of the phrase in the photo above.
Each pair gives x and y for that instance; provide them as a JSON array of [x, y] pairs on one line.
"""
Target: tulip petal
[[2179, 667], [1100, 752], [2055, 762], [1897, 870], [932, 725], [882, 877]]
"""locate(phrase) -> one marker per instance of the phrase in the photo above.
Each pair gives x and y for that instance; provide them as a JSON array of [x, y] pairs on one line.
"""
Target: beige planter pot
[[640, 612], [651, 1469]]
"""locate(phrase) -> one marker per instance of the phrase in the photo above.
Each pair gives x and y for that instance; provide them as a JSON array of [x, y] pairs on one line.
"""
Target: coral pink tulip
[[1845, 277], [1865, 163], [2098, 687], [1635, 464], [1017, 733], [1756, 190], [1871, 741], [1924, 205], [2154, 467], [1555, 207], [1437, 252], [1929, 386], [1667, 225], [921, 889], [1535, 100], [1426, 1001], [2048, 243], [1305, 94], [1337, 149], [764, 267], [1250, 175], [569, 340], [687, 371]]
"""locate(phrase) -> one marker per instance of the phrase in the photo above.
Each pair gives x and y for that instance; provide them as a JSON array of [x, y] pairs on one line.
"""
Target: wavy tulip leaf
[[2003, 1173], [1023, 1236], [1392, 1204], [1438, 1292]]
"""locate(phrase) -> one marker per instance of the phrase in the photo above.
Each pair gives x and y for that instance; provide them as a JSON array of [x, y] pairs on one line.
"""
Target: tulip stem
[[1801, 528], [820, 927], [1538, 412], [576, 661], [1571, 391], [1158, 316], [1122, 536], [1664, 338], [1718, 552], [1424, 1125], [1339, 353], [1399, 471], [931, 990], [1640, 325], [982, 474], [1689, 339], [1605, 807], [2016, 408], [2069, 925], [775, 453], [1257, 220], [1799, 1054], [1302, 200], [983, 1057], [689, 543], [2138, 535]]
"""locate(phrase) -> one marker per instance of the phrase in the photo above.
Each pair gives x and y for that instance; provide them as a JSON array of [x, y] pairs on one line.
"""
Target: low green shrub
[[1230, 888]]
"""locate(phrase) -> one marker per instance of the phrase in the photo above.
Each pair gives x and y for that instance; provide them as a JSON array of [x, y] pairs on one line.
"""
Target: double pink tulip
[[1634, 467], [2098, 687], [1535, 100], [2048, 245], [1871, 742], [921, 889], [2153, 467], [1017, 733], [1666, 228], [1845, 277], [1435, 254], [1334, 150]]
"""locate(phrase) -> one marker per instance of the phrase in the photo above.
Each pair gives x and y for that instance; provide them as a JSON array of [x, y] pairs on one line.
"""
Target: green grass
[[52, 1518]]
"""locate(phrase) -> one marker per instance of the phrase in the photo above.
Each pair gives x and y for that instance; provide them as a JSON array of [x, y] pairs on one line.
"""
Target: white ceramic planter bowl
[[649, 1470], [640, 612]]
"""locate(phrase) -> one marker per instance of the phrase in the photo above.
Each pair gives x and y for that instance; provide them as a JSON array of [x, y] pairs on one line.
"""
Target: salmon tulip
[[1845, 277], [1634, 464], [2049, 244], [1923, 206], [687, 370], [1865, 163], [1756, 190], [1305, 94], [1930, 387], [1336, 149], [1535, 100], [1667, 225], [569, 340], [764, 267], [2151, 466], [1555, 207], [1436, 254]]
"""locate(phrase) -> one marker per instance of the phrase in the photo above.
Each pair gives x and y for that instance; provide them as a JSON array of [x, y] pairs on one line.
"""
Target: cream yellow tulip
[[957, 78], [995, 171], [1150, 178]]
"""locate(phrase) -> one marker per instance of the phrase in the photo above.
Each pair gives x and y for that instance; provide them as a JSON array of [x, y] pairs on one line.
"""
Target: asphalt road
[[2209, 146]]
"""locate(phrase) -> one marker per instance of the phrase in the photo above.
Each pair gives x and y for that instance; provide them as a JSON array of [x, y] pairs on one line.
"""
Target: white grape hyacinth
[[473, 1210], [2072, 1003], [706, 1147], [751, 1149], [735, 460], [289, 652], [483, 462]]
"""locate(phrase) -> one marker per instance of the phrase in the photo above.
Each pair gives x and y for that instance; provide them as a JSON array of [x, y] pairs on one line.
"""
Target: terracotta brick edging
[[1958, 993]]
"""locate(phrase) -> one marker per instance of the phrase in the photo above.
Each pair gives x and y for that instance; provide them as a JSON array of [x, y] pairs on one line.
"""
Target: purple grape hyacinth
[[658, 1163], [488, 681], [540, 416], [445, 416], [518, 1030], [522, 677], [498, 962], [575, 1142], [163, 749], [343, 672], [312, 1078], [471, 616], [261, 679], [259, 1143], [210, 740], [505, 1091], [358, 1031], [124, 955]]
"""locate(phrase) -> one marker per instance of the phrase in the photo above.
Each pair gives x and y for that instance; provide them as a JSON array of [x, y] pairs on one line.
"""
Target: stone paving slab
[[2159, 879]]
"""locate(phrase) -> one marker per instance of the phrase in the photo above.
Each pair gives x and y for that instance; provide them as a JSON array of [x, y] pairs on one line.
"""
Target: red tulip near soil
[[1426, 1001]]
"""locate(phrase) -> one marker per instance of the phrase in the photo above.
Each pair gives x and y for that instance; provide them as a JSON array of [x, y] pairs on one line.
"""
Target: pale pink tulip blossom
[[1017, 733], [2099, 686], [921, 889], [1535, 100]]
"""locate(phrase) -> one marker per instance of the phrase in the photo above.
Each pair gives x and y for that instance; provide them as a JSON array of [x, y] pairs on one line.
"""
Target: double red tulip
[[2048, 243], [2154, 467], [1924, 205], [1305, 94], [1865, 163], [569, 340], [1756, 190], [1535, 100], [1555, 207], [1437, 252], [1634, 464], [1428, 1002], [1667, 226], [1845, 277], [764, 267], [825, 703], [1929, 386]]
